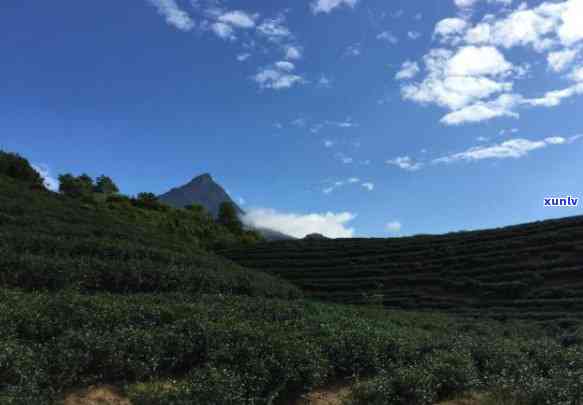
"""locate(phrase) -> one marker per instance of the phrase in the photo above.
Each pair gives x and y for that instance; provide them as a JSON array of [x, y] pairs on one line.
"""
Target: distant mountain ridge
[[203, 190]]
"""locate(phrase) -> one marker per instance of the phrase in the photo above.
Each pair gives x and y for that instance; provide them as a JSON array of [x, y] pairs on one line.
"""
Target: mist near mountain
[[205, 191]]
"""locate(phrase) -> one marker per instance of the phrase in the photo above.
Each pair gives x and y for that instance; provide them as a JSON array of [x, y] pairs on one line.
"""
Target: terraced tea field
[[532, 271]]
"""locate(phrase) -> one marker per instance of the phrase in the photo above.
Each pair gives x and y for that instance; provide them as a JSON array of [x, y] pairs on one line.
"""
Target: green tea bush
[[408, 385], [453, 371]]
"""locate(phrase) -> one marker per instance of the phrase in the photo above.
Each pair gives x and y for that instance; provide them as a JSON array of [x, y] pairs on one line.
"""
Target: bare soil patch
[[97, 395]]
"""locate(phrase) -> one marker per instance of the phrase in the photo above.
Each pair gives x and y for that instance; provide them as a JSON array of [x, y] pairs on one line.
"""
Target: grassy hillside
[[532, 271], [108, 293], [53, 242]]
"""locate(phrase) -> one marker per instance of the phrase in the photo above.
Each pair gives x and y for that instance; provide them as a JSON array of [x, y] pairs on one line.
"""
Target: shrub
[[454, 372], [409, 385]]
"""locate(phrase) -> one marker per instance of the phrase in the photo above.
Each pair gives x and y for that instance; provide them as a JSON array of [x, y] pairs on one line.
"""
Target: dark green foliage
[[54, 242], [229, 218], [17, 167], [105, 185], [76, 187], [531, 271], [149, 201], [127, 292]]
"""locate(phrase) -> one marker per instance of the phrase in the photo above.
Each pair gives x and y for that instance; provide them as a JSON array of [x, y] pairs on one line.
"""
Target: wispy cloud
[[408, 70], [293, 52], [173, 14], [351, 181], [278, 76], [405, 163], [353, 50], [368, 185], [343, 158], [513, 148], [243, 56], [326, 6], [275, 29], [387, 36], [414, 35]]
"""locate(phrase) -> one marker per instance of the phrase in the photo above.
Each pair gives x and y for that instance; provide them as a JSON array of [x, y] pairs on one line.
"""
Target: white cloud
[[408, 71], [414, 35], [478, 61], [278, 76], [466, 4], [299, 122], [324, 82], [540, 27], [344, 159], [285, 66], [513, 148], [239, 19], [457, 85], [224, 31], [476, 82], [174, 16], [50, 182], [353, 180], [559, 60], [352, 50], [326, 6], [293, 52], [369, 186], [328, 143], [243, 56], [342, 124], [555, 97], [332, 225], [501, 107], [388, 37], [241, 201], [571, 29], [274, 29], [577, 74], [450, 29], [405, 163], [393, 226]]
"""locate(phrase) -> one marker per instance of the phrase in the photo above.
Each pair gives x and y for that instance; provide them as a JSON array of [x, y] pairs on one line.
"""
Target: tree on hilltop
[[75, 187], [17, 167], [105, 185], [228, 218]]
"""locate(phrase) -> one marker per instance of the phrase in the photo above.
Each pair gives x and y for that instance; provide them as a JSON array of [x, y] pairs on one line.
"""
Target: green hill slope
[[530, 271], [52, 242]]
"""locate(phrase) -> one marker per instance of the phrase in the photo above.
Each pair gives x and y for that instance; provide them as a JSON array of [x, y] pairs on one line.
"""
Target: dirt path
[[96, 395], [332, 394]]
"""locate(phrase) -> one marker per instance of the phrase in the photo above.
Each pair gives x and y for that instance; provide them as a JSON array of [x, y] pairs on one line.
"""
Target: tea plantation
[[106, 292], [532, 271]]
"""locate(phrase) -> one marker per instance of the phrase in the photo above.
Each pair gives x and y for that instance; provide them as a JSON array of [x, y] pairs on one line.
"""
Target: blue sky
[[346, 117]]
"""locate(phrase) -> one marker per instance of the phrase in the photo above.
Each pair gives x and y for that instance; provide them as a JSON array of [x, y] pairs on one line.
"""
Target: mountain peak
[[202, 190], [202, 177]]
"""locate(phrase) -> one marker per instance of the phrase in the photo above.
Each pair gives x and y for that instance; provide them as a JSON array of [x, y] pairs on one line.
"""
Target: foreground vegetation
[[101, 292]]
